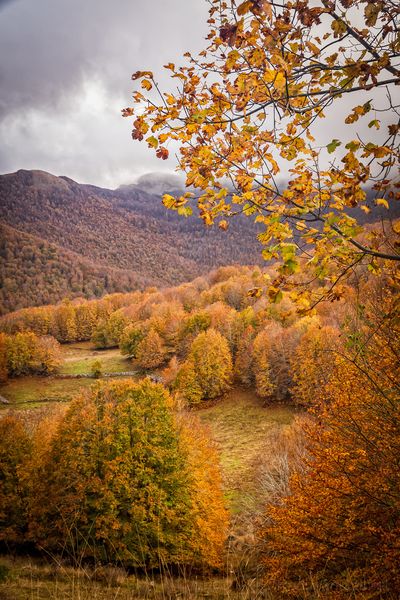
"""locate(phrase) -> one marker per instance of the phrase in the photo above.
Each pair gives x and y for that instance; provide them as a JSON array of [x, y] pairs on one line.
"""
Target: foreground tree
[[120, 482], [15, 448], [249, 108], [338, 528]]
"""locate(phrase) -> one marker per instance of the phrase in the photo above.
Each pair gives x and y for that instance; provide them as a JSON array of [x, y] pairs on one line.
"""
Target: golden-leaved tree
[[207, 373], [118, 478], [261, 365], [339, 527], [248, 111], [15, 447], [313, 364], [26, 353], [150, 351]]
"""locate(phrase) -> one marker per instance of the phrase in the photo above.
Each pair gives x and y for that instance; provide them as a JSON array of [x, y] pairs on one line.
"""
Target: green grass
[[240, 424], [78, 359], [29, 392]]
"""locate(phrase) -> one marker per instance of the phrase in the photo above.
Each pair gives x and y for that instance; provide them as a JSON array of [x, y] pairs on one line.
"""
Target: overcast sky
[[65, 75], [65, 68]]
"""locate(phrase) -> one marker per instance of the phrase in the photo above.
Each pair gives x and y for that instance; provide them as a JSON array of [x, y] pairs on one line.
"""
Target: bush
[[96, 369]]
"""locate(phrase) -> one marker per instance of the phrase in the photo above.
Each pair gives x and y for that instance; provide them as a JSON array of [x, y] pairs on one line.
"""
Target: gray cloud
[[65, 71]]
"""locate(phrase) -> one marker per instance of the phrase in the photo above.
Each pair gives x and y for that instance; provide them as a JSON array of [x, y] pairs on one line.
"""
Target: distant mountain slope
[[60, 238], [34, 271]]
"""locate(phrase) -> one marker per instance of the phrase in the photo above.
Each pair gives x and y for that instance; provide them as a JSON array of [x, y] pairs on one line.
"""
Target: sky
[[65, 75]]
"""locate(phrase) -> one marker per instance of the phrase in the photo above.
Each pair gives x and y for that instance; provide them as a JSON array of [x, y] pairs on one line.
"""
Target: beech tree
[[150, 351], [339, 525], [15, 447], [123, 480], [3, 358], [261, 365], [248, 110], [313, 364], [207, 372], [243, 367], [108, 332], [25, 353], [131, 336]]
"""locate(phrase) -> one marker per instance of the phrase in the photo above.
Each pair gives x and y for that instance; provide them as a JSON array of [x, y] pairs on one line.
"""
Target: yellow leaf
[[244, 7], [146, 84], [382, 202], [152, 141]]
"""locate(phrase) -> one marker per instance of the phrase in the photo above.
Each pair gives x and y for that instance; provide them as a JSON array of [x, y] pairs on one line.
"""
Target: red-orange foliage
[[15, 448], [341, 521]]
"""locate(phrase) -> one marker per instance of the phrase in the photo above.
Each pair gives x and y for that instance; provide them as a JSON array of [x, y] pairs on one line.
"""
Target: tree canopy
[[246, 117]]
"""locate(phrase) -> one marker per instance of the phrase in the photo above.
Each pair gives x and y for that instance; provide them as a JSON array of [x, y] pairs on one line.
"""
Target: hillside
[[32, 269], [60, 238]]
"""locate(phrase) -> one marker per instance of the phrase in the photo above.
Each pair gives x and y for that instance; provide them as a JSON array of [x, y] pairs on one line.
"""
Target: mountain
[[62, 239]]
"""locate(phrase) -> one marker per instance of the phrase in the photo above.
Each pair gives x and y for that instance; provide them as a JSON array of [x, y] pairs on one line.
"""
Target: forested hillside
[[87, 241], [129, 469], [34, 271]]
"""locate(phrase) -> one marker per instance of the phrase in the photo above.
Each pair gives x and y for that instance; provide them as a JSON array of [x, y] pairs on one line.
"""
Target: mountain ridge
[[104, 240]]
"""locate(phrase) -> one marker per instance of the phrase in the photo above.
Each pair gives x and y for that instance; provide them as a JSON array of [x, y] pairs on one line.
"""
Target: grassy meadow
[[239, 423], [77, 359]]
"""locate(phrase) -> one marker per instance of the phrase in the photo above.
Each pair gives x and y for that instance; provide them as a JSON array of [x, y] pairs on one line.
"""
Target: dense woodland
[[61, 239], [33, 271], [332, 509]]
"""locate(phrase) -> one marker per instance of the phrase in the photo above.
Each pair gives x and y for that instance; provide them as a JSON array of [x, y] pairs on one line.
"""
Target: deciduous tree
[[249, 108], [121, 482], [212, 363], [151, 352], [261, 365]]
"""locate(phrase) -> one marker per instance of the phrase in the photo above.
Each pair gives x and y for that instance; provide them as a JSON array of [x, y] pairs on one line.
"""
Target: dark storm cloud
[[65, 69]]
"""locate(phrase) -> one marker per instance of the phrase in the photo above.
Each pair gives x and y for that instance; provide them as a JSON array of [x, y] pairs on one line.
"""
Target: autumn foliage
[[246, 114], [329, 483], [339, 526], [118, 477], [26, 353], [207, 372]]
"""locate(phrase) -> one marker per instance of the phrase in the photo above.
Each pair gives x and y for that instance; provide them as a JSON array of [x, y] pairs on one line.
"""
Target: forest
[[60, 239], [189, 346]]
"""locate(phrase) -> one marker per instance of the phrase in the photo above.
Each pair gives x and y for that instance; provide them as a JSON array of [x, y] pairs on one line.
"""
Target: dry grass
[[31, 392], [240, 424], [34, 579]]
